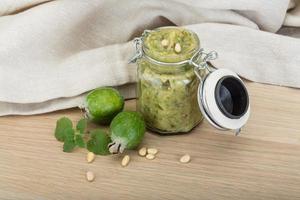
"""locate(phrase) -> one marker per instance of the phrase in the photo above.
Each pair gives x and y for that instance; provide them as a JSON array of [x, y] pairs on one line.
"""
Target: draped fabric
[[53, 52]]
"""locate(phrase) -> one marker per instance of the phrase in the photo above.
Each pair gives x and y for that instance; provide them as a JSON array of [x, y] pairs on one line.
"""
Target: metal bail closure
[[138, 43], [223, 100], [138, 50]]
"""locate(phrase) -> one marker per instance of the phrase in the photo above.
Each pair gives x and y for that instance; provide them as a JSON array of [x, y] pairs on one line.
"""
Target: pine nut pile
[[148, 153]]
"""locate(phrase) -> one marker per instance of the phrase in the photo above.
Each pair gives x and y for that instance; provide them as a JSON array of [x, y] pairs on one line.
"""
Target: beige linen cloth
[[53, 52]]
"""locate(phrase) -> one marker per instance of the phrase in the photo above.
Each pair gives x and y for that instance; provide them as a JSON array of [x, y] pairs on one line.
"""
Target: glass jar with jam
[[167, 85], [171, 70]]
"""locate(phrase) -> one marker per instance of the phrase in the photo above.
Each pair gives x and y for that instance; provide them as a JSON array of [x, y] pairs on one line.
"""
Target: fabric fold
[[53, 52]]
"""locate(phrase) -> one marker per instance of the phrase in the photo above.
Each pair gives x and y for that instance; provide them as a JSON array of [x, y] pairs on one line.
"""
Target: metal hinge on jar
[[138, 43]]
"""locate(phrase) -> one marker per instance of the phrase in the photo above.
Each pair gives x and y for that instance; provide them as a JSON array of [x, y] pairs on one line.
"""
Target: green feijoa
[[103, 104], [127, 130], [98, 144]]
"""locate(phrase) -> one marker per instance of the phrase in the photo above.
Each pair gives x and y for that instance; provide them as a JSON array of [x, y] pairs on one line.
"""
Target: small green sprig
[[72, 138]]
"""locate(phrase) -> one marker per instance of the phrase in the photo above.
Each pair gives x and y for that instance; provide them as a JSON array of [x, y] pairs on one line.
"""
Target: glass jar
[[178, 86], [167, 84]]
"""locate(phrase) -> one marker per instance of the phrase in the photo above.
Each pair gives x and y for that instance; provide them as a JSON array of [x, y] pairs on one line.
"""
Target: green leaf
[[69, 146], [61, 125], [98, 143], [69, 143], [69, 134], [79, 141], [81, 125]]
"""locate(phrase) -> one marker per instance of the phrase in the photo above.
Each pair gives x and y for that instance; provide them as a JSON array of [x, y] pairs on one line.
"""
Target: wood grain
[[262, 163]]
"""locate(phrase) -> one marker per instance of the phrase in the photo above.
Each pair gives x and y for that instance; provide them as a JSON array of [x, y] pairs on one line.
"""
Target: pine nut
[[177, 48], [152, 151], [165, 42], [185, 158], [150, 156], [90, 176], [125, 160], [90, 157], [143, 151]]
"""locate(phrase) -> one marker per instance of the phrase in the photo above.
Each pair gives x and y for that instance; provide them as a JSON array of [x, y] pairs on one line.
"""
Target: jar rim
[[190, 53]]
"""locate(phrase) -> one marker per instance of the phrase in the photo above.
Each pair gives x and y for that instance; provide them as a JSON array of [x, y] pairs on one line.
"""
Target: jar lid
[[223, 100]]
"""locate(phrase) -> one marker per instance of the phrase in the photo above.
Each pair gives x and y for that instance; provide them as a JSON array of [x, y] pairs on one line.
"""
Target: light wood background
[[262, 163]]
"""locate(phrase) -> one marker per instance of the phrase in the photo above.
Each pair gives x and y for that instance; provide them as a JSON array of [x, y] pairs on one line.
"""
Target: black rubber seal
[[232, 97]]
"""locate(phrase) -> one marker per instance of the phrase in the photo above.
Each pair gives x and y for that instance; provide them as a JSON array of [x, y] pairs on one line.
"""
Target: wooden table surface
[[262, 163]]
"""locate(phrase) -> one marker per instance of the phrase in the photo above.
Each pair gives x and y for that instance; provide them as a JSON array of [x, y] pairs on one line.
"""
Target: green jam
[[188, 41], [167, 94]]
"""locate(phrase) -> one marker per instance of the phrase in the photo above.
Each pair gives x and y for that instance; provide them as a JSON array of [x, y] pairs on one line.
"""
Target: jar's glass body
[[167, 85], [167, 97]]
